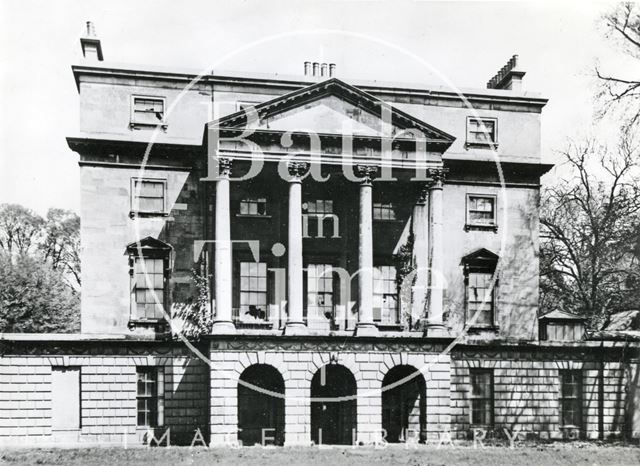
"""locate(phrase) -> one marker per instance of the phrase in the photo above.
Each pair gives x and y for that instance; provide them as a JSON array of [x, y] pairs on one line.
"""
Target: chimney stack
[[509, 77], [319, 70], [91, 47]]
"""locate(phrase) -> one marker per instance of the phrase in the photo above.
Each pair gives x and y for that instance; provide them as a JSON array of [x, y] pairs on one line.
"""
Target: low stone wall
[[107, 391]]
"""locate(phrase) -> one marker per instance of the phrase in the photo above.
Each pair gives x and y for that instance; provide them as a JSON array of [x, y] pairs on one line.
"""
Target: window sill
[[483, 328], [252, 216], [386, 220], [133, 323], [135, 213], [481, 227], [136, 125], [481, 145], [254, 325]]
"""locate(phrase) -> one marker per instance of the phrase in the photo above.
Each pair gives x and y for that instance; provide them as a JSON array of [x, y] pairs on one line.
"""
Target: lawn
[[548, 454]]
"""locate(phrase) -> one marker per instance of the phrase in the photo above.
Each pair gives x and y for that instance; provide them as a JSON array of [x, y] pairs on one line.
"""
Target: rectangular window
[[481, 396], [383, 211], [480, 298], [319, 206], [148, 196], [148, 111], [481, 210], [571, 398], [253, 206], [482, 131], [253, 291], [385, 295], [319, 291], [149, 288], [150, 396]]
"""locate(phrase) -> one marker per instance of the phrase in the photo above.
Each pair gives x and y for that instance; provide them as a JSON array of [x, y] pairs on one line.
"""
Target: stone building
[[368, 250]]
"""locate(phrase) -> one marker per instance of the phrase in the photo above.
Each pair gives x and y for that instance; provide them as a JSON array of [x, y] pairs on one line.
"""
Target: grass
[[548, 454]]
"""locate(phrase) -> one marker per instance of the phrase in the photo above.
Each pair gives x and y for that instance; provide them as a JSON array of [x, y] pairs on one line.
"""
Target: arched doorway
[[259, 406], [333, 421], [404, 408]]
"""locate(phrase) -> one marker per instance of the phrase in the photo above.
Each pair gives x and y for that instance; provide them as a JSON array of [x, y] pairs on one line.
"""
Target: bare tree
[[623, 23], [590, 232], [61, 243], [20, 229]]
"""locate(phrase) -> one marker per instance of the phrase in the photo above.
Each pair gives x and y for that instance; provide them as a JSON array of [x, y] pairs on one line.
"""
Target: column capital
[[367, 173], [437, 177], [225, 164], [297, 169]]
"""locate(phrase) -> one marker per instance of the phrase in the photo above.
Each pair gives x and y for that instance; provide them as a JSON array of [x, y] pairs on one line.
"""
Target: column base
[[223, 327], [295, 328], [366, 329]]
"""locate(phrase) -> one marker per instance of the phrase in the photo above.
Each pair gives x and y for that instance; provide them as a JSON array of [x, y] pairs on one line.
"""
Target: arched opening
[[404, 407], [261, 406], [333, 418]]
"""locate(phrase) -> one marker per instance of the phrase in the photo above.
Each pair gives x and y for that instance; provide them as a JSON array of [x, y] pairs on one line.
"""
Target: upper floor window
[[385, 295], [481, 211], [480, 288], [253, 206], [150, 396], [482, 131], [319, 291], [570, 398], [481, 396], [383, 211], [149, 265], [148, 111], [318, 219], [148, 196], [253, 292]]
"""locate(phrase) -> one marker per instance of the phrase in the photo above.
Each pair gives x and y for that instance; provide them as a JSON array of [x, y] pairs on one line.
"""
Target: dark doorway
[[333, 419], [404, 408], [258, 410]]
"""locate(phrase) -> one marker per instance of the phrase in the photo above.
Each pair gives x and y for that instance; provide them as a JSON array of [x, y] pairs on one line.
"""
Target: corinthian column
[[420, 223], [365, 325], [223, 278], [295, 303], [435, 324]]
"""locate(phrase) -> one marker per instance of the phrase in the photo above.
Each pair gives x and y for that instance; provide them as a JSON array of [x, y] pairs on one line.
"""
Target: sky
[[464, 42]]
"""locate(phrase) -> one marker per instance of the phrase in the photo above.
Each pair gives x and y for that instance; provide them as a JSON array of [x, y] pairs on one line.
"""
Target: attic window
[[561, 326], [482, 132], [147, 111]]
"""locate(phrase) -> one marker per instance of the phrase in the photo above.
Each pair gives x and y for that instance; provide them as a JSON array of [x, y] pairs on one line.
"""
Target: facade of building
[[370, 253]]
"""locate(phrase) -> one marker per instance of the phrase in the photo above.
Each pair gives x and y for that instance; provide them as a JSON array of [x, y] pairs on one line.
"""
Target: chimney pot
[[323, 70], [332, 70], [307, 68], [316, 67]]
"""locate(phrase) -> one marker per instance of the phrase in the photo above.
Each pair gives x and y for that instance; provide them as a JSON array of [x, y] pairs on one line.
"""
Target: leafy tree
[[590, 225], [34, 297], [623, 25], [20, 229]]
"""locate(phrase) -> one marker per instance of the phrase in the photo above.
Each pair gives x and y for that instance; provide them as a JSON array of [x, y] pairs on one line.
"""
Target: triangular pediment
[[333, 107], [147, 245]]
